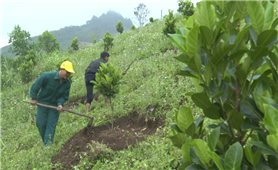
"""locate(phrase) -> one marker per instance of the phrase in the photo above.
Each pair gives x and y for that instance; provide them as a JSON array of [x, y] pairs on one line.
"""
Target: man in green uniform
[[51, 88]]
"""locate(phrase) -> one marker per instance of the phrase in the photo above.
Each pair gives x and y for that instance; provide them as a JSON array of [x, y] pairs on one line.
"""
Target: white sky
[[37, 16]]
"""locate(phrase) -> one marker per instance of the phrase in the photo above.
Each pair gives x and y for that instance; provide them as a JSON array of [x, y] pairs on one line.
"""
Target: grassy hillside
[[151, 82]]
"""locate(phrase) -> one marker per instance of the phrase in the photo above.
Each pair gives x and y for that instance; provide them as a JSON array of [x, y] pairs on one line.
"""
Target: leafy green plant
[[20, 40], [230, 50], [133, 27], [170, 21], [25, 66], [186, 7], [47, 42], [108, 41], [120, 27], [107, 81], [26, 72], [74, 44]]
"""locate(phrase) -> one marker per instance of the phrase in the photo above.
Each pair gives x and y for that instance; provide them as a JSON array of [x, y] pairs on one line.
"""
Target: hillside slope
[[150, 88]]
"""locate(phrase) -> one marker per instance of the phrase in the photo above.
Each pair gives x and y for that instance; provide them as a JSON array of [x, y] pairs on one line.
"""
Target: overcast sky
[[37, 16]]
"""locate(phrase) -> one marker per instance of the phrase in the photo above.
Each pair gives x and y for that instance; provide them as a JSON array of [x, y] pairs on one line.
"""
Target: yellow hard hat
[[67, 65]]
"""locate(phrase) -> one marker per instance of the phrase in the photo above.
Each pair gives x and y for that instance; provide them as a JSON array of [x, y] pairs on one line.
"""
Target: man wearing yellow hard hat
[[51, 88]]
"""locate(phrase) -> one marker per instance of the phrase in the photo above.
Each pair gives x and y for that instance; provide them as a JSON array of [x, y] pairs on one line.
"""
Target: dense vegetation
[[231, 53], [218, 101]]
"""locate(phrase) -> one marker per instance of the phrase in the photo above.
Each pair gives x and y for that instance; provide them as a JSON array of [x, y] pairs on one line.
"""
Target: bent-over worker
[[90, 76], [51, 88]]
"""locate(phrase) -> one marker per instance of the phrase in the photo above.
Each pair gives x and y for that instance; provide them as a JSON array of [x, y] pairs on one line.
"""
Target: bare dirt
[[126, 131]]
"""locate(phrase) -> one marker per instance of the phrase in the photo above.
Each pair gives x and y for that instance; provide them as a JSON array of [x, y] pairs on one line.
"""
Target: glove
[[60, 108]]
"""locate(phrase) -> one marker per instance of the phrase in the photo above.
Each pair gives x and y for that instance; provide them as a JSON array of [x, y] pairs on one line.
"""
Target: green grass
[[151, 80]]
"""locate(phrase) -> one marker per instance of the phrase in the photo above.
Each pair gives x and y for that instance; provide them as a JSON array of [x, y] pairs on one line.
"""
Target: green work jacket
[[50, 89]]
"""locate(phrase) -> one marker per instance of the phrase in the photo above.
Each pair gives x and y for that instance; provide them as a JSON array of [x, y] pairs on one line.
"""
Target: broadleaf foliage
[[230, 48]]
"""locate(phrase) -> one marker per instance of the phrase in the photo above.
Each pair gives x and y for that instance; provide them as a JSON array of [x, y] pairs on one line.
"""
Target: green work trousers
[[46, 121]]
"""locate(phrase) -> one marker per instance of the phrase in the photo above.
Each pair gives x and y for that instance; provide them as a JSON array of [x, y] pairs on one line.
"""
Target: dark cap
[[104, 54]]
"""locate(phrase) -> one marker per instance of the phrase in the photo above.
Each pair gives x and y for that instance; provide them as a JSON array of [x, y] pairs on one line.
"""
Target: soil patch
[[126, 131]]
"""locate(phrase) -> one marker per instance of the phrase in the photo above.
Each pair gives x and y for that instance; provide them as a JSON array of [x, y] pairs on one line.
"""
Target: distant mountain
[[94, 29]]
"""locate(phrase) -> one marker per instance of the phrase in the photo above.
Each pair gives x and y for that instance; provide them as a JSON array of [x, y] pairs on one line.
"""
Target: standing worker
[[90, 75], [51, 88]]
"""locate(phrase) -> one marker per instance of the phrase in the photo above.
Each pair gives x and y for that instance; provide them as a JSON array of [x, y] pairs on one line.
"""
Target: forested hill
[[92, 30]]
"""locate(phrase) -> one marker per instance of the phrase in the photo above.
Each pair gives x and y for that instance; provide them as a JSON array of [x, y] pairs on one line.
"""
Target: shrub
[[170, 21], [74, 44], [107, 81], [108, 41], [120, 27], [232, 55], [186, 8], [25, 66]]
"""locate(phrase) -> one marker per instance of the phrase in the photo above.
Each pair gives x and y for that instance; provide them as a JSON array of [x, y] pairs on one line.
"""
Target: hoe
[[91, 119]]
